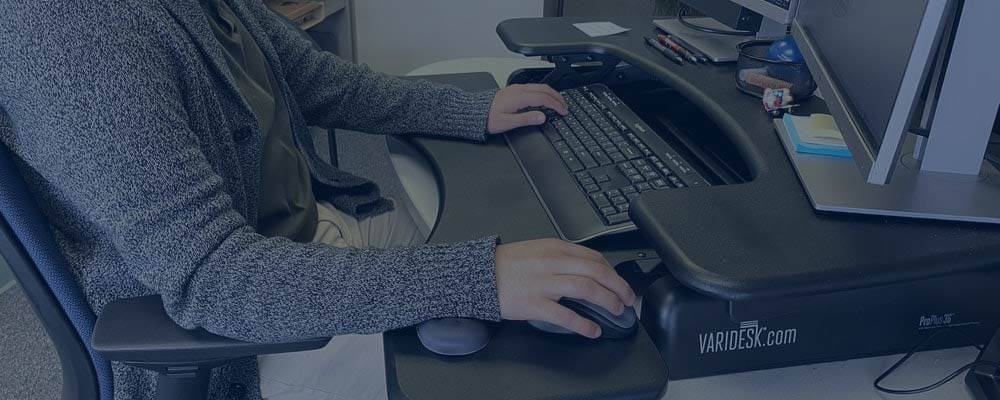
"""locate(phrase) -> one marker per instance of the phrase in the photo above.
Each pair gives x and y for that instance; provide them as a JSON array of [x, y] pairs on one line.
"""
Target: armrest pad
[[139, 330]]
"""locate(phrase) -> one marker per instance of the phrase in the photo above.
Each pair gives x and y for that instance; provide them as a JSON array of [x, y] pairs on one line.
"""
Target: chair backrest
[[27, 243]]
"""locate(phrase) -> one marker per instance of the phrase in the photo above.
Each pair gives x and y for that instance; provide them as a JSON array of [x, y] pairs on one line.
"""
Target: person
[[167, 143]]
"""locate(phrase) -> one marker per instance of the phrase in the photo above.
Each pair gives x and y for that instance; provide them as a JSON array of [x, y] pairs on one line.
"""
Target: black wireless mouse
[[612, 326]]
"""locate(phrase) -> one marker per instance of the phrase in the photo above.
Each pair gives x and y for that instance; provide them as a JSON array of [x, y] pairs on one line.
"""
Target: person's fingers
[[548, 90], [603, 275], [554, 313], [507, 122], [575, 250], [578, 287], [536, 99]]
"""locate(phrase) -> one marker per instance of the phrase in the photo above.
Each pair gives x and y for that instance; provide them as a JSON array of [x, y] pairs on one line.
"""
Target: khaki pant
[[350, 367]]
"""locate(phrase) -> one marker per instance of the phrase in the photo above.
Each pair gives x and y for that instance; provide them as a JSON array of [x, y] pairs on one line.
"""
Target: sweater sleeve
[[334, 93], [109, 136]]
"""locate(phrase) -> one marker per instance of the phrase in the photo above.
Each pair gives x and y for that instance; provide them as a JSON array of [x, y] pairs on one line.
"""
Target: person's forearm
[[333, 93], [268, 290]]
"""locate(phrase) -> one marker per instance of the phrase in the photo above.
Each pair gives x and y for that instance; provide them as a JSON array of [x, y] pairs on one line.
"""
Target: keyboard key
[[660, 184], [602, 158], [600, 200], [616, 219], [644, 168], [630, 171], [616, 156], [618, 200], [613, 193], [587, 181], [607, 211], [603, 178], [639, 163], [573, 164], [552, 134], [623, 207], [651, 175], [629, 190], [592, 188], [582, 175], [666, 172], [636, 178], [587, 160], [645, 186], [631, 196], [629, 151], [676, 181]]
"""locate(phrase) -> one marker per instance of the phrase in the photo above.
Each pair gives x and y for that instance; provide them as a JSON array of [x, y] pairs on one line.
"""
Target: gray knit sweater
[[132, 135]]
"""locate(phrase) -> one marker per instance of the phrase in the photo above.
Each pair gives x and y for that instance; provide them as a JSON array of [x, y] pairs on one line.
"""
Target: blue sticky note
[[809, 148]]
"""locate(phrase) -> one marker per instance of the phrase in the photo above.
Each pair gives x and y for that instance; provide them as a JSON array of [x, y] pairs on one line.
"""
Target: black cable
[[942, 381], [689, 24]]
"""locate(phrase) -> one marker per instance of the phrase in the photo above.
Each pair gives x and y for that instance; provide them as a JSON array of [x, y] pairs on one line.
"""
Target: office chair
[[136, 332]]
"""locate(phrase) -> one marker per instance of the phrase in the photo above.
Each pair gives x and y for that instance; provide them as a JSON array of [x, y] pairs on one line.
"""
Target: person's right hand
[[532, 276]]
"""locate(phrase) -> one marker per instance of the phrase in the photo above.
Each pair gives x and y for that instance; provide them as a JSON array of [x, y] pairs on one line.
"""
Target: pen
[[672, 45], [694, 50], [670, 54]]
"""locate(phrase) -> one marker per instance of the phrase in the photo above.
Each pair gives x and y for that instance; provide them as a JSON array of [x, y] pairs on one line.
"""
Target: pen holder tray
[[756, 73]]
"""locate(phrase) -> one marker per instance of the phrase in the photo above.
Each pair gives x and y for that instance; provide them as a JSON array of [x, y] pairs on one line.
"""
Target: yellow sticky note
[[822, 130]]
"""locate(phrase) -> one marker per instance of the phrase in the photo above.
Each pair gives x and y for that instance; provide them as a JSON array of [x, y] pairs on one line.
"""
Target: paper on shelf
[[598, 29]]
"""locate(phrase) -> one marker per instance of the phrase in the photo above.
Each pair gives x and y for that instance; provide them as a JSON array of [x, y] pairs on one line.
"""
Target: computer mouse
[[453, 336], [612, 326]]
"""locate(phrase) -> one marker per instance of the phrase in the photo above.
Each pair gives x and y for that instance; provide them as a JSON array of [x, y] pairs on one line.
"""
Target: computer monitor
[[888, 71], [728, 13], [780, 11], [749, 15], [872, 76], [727, 23]]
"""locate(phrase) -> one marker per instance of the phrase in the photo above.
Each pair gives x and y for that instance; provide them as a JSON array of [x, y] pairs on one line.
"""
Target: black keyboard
[[601, 144]]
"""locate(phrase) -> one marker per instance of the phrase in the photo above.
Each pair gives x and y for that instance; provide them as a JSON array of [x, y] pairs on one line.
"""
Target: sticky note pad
[[598, 29], [816, 134]]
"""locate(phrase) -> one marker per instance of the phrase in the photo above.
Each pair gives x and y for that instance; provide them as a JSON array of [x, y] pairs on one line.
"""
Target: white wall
[[397, 36]]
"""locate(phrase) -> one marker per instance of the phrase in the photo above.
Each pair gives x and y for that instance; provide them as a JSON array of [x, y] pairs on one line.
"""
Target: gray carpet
[[29, 365]]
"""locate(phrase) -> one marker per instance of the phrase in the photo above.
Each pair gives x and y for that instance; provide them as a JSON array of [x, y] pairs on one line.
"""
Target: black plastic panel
[[762, 238]]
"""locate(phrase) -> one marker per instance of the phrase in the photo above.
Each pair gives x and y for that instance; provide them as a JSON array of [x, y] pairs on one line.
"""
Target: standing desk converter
[[759, 241]]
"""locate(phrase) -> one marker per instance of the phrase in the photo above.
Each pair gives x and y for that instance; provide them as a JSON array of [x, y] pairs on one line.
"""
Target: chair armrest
[[138, 330]]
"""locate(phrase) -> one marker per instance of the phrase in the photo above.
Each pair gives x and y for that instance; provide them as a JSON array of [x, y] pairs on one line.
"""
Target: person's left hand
[[505, 115]]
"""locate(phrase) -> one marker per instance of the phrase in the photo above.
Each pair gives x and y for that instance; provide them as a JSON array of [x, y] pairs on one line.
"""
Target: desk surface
[[761, 238]]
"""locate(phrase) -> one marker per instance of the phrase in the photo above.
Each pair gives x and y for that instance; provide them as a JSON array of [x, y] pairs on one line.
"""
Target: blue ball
[[785, 49]]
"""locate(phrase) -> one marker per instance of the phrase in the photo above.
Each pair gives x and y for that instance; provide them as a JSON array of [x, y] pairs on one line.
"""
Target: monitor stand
[[835, 184]]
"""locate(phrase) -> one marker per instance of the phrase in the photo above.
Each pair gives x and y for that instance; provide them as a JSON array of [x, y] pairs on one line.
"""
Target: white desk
[[835, 380]]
